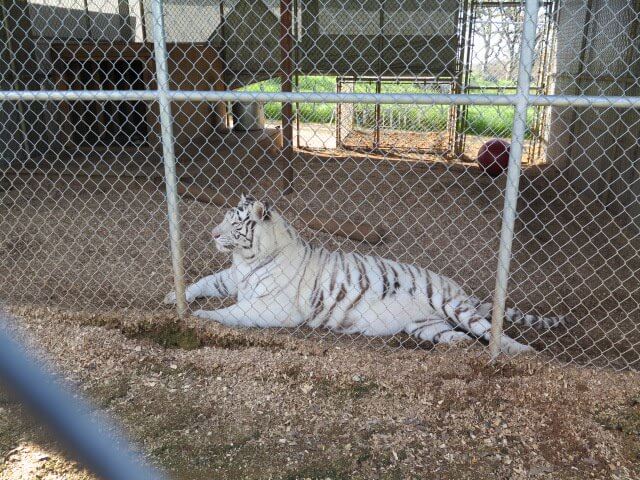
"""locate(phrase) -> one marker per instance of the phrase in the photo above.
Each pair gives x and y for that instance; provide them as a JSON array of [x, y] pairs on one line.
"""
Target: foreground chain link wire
[[350, 117]]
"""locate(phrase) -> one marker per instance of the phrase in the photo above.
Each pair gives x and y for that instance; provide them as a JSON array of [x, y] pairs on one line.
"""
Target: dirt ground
[[203, 401], [84, 266], [406, 143], [70, 245], [417, 145]]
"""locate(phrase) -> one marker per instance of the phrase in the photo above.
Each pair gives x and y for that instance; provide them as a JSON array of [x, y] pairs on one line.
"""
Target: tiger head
[[253, 229]]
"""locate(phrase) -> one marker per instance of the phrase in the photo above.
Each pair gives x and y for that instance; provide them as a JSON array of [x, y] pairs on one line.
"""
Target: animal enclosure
[[121, 149]]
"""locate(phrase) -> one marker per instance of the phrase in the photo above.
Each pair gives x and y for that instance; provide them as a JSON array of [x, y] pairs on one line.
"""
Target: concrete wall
[[598, 53], [185, 20], [379, 37], [341, 37]]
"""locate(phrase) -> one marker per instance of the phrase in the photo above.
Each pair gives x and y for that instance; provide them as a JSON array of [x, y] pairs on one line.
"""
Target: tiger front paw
[[513, 348], [206, 314], [170, 298]]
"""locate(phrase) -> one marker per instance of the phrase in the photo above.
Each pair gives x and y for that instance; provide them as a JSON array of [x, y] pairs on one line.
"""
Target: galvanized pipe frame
[[168, 154], [525, 70], [378, 83], [582, 101]]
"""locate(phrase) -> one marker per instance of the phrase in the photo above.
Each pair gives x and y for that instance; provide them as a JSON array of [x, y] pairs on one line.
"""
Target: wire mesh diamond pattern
[[360, 123]]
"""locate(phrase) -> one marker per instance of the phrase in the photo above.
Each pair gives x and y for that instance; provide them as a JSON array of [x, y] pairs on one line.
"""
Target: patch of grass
[[309, 112], [172, 335], [106, 393], [503, 368], [354, 389], [170, 332], [361, 389], [627, 422], [481, 120], [630, 443]]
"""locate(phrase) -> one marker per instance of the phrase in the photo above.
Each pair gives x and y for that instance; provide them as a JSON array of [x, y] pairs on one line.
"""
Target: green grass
[[481, 120], [309, 112]]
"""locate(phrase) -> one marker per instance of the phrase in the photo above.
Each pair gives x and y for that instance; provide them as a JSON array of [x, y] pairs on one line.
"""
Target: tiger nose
[[215, 234]]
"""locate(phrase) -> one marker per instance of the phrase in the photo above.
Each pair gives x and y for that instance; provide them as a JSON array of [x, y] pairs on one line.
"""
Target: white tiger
[[281, 280]]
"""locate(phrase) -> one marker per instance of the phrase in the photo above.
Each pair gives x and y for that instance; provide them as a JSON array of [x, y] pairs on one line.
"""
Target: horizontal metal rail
[[315, 97]]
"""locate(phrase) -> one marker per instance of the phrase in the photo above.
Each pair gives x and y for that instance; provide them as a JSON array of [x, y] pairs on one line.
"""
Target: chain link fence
[[129, 128]]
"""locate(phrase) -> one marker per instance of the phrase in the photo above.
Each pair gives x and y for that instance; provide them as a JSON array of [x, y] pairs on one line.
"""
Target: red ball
[[493, 157]]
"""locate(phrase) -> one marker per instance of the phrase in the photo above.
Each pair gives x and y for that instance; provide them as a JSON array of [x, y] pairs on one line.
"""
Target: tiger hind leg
[[435, 330]]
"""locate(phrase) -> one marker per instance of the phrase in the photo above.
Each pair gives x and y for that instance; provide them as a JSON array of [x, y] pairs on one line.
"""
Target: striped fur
[[280, 280]]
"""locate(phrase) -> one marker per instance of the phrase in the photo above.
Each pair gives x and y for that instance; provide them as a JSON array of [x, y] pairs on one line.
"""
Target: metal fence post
[[169, 157], [527, 46]]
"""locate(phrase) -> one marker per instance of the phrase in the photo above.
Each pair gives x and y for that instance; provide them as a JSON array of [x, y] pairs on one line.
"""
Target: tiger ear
[[243, 198], [261, 211], [267, 210]]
